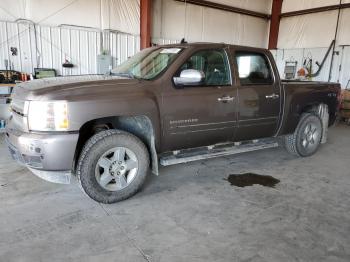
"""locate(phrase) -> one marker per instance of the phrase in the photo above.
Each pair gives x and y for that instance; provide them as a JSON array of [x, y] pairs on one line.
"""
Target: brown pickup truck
[[167, 104]]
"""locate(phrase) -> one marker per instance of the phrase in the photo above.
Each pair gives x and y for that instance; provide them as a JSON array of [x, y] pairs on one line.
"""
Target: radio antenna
[[185, 20]]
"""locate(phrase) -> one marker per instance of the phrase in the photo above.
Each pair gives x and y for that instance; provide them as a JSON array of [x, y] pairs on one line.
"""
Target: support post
[[145, 23], [275, 23]]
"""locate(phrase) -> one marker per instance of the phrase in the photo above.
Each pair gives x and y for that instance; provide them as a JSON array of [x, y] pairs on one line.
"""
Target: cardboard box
[[345, 113], [345, 104], [345, 95]]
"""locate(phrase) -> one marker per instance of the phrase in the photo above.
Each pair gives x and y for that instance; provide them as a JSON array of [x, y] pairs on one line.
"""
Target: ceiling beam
[[315, 10], [275, 23], [145, 23], [228, 8]]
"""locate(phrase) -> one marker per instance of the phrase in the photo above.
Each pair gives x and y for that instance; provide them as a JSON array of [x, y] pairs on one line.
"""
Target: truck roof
[[209, 45]]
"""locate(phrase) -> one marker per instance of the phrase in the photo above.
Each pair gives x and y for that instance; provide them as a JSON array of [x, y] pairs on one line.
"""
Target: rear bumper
[[49, 156]]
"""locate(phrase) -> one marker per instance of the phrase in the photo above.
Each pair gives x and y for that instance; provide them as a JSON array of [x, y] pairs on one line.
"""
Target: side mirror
[[189, 77]]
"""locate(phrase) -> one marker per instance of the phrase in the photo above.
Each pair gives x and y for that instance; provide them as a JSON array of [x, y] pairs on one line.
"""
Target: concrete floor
[[188, 213]]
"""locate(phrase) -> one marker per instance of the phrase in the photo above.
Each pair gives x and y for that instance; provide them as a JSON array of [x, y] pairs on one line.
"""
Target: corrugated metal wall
[[49, 47], [121, 46], [341, 62], [344, 74]]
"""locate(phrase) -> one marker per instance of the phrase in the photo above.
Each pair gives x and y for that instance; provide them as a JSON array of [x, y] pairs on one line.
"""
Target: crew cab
[[167, 104]]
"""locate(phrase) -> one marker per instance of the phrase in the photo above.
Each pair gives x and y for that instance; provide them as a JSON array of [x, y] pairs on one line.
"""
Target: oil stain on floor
[[249, 179]]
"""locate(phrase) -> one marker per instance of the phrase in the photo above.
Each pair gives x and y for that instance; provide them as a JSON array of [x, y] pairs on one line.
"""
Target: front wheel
[[307, 137], [113, 166]]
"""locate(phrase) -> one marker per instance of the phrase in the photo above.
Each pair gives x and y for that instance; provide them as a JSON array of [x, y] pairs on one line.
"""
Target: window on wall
[[253, 68], [213, 63]]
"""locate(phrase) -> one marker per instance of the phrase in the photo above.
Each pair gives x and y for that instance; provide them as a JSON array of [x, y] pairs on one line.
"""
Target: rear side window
[[253, 68], [214, 65]]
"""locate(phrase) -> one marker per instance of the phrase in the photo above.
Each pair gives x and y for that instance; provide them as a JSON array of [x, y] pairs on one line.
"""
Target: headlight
[[48, 116]]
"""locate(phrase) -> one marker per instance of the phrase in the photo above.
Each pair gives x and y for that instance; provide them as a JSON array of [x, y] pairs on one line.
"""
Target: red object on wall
[[145, 23], [275, 23], [301, 72]]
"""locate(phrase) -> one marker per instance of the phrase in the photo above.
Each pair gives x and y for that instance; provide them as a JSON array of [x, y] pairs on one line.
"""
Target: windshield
[[147, 64]]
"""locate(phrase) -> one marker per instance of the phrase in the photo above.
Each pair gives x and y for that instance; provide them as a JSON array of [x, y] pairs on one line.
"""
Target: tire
[[307, 136], [112, 166]]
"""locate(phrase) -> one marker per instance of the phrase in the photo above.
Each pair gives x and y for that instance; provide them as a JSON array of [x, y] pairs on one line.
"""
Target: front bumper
[[48, 155]]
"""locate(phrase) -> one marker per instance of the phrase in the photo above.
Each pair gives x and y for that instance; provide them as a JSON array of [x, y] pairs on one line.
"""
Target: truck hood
[[66, 88]]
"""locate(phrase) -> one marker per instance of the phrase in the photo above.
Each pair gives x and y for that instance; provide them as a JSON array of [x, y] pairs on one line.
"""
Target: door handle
[[226, 99], [272, 96]]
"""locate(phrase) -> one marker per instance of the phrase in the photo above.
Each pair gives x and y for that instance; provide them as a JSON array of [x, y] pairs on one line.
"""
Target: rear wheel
[[307, 136], [113, 166]]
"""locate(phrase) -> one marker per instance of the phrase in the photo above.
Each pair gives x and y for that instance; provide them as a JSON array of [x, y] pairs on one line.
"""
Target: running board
[[189, 155]]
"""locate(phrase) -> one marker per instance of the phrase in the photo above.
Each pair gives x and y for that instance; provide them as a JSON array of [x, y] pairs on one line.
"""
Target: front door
[[259, 96], [203, 114]]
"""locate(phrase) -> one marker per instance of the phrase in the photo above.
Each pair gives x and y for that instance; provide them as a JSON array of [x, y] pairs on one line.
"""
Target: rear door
[[259, 95], [204, 114]]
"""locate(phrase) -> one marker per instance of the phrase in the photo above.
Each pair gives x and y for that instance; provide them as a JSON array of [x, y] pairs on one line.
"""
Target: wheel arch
[[296, 109], [140, 126]]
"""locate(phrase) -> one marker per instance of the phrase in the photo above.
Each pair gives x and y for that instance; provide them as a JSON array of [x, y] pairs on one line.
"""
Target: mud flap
[[155, 166], [322, 111]]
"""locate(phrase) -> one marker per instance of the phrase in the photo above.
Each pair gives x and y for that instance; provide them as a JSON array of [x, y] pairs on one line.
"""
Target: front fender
[[81, 112]]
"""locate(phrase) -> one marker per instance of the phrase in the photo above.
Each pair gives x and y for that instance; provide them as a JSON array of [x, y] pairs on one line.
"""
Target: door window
[[253, 69], [213, 64]]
